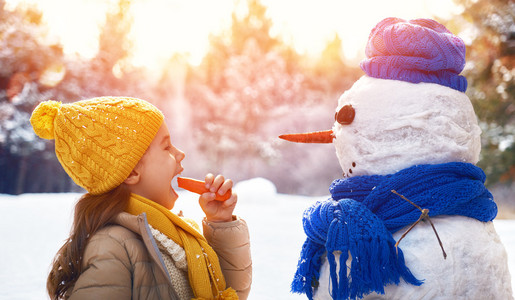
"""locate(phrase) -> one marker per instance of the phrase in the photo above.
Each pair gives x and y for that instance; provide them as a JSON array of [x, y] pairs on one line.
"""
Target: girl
[[125, 242]]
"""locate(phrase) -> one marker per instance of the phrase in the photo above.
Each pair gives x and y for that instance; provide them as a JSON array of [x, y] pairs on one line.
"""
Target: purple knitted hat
[[420, 50]]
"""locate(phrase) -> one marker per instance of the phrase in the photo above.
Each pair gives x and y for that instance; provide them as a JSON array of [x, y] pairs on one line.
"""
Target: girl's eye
[[345, 115]]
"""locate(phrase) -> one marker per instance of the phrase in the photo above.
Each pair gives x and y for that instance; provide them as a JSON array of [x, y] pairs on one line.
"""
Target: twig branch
[[402, 196], [438, 237], [424, 215]]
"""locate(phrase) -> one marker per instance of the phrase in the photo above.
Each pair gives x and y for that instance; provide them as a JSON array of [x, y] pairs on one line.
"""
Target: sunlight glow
[[52, 75], [75, 23], [164, 27], [311, 24]]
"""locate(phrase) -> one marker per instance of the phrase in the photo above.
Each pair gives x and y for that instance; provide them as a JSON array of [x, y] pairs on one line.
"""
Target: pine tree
[[244, 78], [490, 72], [27, 64]]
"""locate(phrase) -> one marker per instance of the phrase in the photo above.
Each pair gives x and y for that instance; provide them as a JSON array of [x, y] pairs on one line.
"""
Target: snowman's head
[[398, 124], [410, 108]]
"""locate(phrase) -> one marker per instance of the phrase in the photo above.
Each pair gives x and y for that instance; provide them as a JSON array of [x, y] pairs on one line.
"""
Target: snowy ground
[[33, 227]]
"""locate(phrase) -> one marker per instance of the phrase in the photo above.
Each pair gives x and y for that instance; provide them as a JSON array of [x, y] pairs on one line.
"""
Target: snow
[[34, 226]]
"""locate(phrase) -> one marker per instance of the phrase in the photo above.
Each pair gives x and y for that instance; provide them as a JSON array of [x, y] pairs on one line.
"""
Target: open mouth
[[175, 177]]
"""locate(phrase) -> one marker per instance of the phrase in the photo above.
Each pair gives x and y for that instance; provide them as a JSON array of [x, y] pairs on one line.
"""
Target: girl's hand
[[218, 211]]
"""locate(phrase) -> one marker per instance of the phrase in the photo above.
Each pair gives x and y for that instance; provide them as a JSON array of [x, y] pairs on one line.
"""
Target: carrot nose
[[321, 137]]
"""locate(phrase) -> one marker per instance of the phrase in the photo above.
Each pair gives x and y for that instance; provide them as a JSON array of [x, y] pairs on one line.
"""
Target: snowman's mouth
[[321, 137]]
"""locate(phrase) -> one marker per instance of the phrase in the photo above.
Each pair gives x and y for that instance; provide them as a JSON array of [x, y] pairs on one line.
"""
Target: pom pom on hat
[[415, 51], [42, 119], [98, 141]]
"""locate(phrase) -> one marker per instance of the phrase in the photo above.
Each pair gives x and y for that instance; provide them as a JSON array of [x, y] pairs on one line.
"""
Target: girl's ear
[[133, 178]]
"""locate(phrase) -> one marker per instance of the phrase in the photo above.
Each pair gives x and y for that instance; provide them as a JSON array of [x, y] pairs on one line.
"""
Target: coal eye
[[345, 115]]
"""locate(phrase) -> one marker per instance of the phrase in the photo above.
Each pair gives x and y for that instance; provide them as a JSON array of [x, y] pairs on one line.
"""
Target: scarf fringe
[[374, 265], [375, 262]]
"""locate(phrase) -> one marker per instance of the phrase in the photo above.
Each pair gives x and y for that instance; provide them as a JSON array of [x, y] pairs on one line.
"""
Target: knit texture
[[98, 141], [176, 264], [363, 214], [420, 50], [204, 272]]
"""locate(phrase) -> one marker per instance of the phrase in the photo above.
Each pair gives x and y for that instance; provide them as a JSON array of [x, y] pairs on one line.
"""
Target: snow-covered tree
[[28, 64], [34, 69], [489, 28], [249, 89]]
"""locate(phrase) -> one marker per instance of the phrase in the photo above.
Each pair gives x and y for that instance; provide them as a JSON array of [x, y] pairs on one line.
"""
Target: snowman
[[411, 217]]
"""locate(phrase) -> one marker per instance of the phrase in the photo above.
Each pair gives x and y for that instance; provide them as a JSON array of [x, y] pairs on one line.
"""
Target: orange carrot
[[310, 137], [199, 187]]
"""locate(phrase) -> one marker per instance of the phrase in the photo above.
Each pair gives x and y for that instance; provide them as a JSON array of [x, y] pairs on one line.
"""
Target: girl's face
[[157, 168]]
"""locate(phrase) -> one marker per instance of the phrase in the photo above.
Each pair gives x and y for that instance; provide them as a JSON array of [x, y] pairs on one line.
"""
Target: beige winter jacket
[[122, 260]]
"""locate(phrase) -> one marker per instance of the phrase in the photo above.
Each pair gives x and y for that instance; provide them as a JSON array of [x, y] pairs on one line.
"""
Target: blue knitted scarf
[[363, 214]]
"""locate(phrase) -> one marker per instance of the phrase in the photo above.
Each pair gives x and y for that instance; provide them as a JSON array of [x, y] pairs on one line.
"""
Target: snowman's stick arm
[[405, 233], [438, 237], [402, 196], [423, 216]]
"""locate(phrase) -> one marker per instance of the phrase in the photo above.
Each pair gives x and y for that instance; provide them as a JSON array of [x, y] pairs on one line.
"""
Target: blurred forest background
[[227, 112]]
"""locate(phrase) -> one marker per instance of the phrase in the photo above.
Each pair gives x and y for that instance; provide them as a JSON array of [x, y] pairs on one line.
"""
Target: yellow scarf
[[204, 272]]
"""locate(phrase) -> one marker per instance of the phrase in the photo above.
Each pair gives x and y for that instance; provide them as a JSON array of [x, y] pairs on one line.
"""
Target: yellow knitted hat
[[98, 141]]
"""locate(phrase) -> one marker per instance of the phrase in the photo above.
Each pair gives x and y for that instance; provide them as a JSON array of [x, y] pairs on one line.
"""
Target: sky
[[305, 24]]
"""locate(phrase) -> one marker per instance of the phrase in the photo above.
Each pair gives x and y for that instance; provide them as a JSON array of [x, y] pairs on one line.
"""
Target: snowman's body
[[398, 125], [475, 267]]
